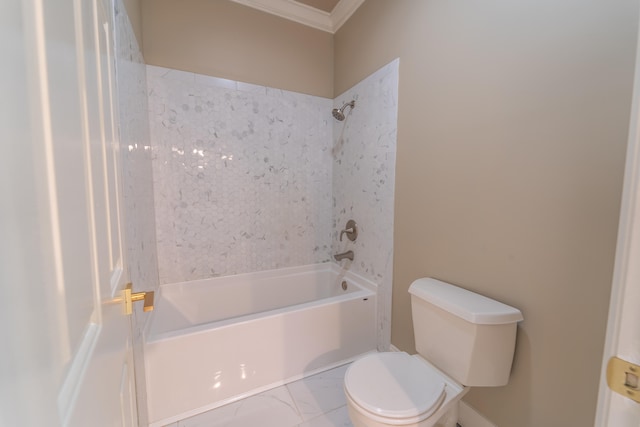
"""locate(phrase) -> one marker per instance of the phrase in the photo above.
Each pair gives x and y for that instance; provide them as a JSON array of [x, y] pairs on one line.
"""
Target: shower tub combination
[[214, 341]]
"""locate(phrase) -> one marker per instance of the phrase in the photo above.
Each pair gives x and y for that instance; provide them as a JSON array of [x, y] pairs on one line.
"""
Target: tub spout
[[345, 255]]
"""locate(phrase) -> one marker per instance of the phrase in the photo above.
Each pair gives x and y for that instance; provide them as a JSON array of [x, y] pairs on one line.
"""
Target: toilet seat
[[395, 387]]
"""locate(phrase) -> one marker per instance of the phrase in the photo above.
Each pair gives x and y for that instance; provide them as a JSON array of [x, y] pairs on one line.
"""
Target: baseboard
[[469, 417], [393, 348]]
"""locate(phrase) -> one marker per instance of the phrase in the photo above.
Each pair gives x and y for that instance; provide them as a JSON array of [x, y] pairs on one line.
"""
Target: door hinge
[[622, 377]]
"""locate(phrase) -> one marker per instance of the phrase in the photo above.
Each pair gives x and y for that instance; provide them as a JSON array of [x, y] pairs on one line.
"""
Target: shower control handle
[[351, 231]]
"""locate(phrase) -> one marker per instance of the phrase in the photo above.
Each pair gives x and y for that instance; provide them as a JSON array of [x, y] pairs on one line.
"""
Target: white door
[[623, 329], [65, 356]]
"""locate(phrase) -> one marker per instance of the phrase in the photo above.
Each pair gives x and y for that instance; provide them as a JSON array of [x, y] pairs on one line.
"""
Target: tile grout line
[[295, 403]]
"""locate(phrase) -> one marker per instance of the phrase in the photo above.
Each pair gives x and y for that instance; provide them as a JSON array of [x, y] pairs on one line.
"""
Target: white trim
[[469, 417], [393, 348], [307, 15]]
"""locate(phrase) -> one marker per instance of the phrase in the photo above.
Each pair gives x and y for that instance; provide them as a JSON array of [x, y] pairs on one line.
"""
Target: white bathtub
[[214, 341]]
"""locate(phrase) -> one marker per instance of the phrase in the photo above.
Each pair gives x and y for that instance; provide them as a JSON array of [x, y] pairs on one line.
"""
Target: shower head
[[338, 113]]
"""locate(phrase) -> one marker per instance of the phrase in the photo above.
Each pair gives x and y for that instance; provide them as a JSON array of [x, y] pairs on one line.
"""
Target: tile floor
[[315, 401]]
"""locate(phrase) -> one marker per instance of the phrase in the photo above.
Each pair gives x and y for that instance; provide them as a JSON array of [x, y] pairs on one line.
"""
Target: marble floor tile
[[320, 393], [273, 408], [336, 418]]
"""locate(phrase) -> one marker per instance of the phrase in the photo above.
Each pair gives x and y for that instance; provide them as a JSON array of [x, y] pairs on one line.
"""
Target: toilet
[[463, 340]]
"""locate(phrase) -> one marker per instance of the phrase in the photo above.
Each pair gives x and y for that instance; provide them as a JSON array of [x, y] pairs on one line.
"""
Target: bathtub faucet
[[348, 255]]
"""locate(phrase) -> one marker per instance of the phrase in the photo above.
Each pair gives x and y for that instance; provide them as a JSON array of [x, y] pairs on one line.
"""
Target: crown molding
[[343, 11], [307, 15]]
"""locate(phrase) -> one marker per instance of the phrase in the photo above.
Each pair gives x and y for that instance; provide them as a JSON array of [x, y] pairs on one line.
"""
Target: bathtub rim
[[367, 289]]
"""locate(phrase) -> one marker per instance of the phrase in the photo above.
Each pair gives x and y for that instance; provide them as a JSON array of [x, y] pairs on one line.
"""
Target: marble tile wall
[[364, 151], [137, 178], [242, 176]]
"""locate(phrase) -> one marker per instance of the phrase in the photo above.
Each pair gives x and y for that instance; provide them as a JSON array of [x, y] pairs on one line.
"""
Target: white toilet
[[463, 339]]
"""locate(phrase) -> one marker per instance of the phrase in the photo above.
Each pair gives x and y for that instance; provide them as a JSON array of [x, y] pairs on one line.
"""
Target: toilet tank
[[466, 335]]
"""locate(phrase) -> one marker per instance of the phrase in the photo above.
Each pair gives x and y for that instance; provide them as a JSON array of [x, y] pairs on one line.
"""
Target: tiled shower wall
[[242, 176], [249, 178], [363, 182]]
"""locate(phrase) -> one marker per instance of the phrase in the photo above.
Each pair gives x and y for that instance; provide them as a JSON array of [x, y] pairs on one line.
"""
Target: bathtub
[[214, 341]]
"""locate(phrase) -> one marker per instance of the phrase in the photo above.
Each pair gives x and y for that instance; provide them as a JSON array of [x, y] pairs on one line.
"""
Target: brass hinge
[[622, 377]]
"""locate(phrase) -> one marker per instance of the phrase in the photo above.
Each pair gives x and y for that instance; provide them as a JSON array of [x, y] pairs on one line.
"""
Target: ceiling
[[325, 15]]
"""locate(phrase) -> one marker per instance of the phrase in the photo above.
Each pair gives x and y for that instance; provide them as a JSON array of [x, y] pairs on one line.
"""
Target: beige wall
[[511, 139], [225, 39], [512, 129], [135, 17]]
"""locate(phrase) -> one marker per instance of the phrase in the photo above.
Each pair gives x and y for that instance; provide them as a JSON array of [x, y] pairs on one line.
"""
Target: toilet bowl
[[397, 389], [463, 339]]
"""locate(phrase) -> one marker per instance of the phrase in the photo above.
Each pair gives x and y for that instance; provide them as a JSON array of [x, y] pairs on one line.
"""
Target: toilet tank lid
[[465, 304]]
